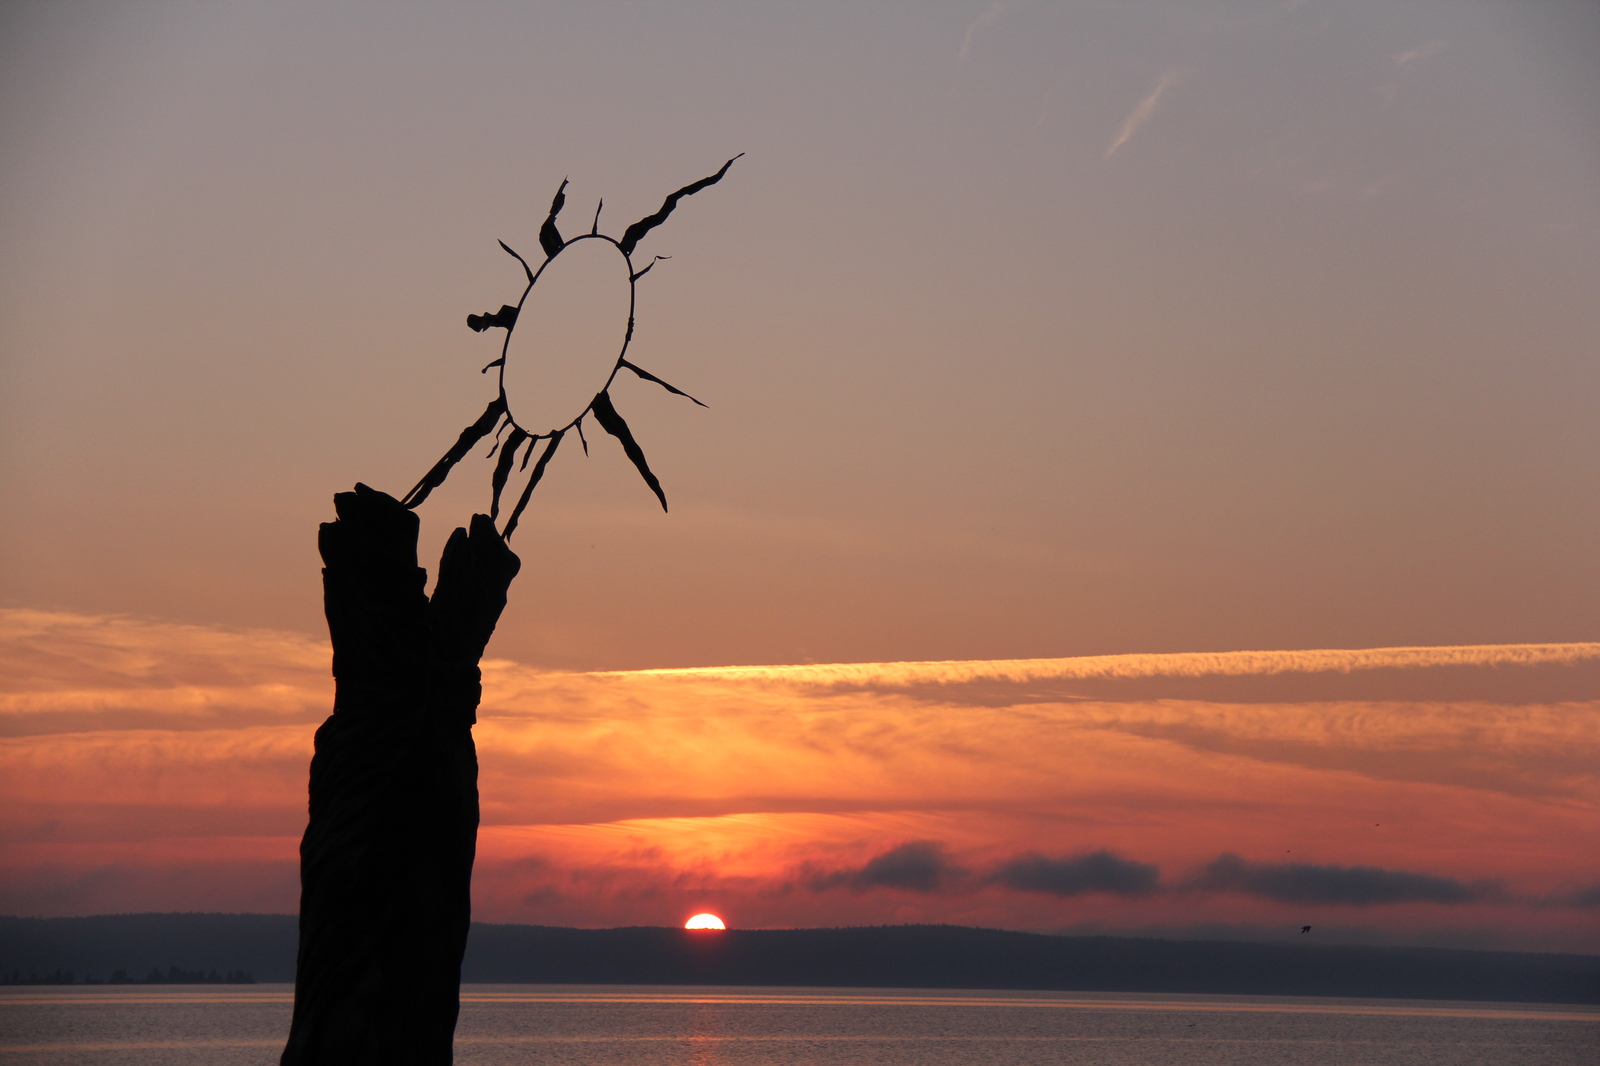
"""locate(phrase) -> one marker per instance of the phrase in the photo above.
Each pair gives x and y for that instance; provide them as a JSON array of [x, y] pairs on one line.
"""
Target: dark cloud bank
[[1296, 882], [1588, 897], [1096, 871], [924, 866], [918, 866]]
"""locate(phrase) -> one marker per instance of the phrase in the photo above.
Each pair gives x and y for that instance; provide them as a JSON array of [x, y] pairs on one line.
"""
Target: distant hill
[[96, 946], [906, 956]]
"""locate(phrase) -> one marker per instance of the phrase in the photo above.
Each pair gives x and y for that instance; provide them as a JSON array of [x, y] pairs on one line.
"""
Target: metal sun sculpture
[[517, 407]]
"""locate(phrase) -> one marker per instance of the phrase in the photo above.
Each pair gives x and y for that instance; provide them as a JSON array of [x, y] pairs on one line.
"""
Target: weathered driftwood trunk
[[386, 862]]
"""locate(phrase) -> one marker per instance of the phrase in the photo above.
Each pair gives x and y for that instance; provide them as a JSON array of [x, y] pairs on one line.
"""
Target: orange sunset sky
[[1148, 482]]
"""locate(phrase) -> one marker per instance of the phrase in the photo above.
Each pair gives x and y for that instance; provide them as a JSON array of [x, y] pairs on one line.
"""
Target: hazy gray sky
[[1027, 329]]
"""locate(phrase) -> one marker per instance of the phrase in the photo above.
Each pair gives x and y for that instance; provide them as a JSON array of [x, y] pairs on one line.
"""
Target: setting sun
[[704, 921]]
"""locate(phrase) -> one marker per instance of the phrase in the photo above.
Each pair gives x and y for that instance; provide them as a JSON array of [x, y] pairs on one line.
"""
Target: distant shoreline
[[173, 975], [261, 947]]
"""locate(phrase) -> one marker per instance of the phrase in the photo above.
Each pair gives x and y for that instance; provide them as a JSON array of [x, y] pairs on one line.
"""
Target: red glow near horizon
[[153, 766]]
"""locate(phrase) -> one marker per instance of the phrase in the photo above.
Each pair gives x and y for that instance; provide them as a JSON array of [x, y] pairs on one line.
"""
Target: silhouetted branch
[[504, 318], [646, 270], [631, 236], [613, 424], [502, 469], [533, 479], [469, 436], [526, 269], [651, 377], [550, 237]]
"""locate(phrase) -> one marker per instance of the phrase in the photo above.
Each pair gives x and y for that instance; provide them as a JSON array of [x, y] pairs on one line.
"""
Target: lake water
[[637, 1026]]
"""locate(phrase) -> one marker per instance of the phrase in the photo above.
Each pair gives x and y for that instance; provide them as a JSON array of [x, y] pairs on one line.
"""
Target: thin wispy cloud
[[1180, 664], [147, 765], [1422, 51], [1143, 112], [988, 15]]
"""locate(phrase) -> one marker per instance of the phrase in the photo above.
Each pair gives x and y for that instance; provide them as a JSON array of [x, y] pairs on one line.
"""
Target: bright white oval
[[568, 335]]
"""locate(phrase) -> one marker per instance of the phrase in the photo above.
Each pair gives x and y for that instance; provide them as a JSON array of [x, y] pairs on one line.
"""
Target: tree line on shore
[[174, 975]]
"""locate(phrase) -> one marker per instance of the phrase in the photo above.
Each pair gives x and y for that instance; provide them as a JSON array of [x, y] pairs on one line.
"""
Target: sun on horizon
[[704, 921]]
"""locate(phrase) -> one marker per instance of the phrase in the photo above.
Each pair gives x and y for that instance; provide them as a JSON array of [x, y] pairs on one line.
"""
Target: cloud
[[1138, 666], [1350, 885], [986, 16], [919, 866], [1142, 113], [1422, 51], [975, 792], [915, 866], [1095, 871], [1585, 897], [68, 673]]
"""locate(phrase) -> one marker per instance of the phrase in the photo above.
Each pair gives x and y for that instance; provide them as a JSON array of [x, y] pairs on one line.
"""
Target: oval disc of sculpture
[[569, 335]]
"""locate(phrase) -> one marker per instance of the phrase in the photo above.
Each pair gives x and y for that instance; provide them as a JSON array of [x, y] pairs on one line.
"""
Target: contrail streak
[[1141, 114]]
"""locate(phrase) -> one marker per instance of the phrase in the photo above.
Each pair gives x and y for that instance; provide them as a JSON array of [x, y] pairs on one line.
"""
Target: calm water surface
[[622, 1026]]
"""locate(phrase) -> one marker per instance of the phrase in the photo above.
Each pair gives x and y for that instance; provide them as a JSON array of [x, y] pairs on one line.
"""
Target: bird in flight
[[1304, 929]]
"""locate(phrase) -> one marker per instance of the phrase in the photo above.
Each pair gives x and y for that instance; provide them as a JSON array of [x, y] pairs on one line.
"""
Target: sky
[[1439, 796], [1028, 332]]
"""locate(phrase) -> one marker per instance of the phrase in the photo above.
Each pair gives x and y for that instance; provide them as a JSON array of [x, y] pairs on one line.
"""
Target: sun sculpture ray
[[516, 435]]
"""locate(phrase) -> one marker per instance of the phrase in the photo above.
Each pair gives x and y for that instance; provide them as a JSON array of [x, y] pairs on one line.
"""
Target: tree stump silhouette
[[386, 861]]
